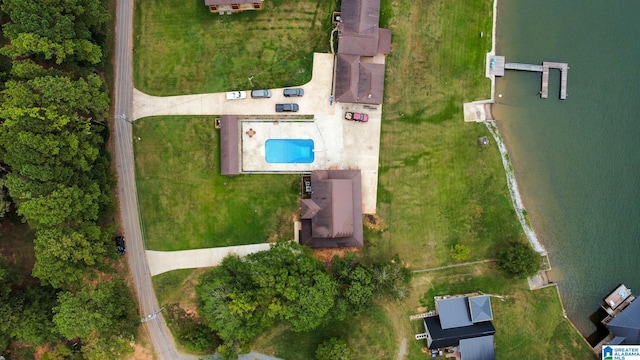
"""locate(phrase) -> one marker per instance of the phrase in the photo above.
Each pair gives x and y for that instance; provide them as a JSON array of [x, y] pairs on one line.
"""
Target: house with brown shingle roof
[[358, 79], [230, 6], [332, 217], [229, 145], [359, 32], [358, 82]]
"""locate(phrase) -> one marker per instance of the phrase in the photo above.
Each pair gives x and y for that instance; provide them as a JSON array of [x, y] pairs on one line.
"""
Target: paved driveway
[[315, 99], [163, 261]]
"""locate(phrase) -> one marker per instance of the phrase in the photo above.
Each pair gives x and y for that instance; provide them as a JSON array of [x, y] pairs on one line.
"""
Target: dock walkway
[[498, 66]]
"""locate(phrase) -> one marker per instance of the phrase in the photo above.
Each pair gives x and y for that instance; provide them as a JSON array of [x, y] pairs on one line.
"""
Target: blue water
[[577, 161], [289, 151]]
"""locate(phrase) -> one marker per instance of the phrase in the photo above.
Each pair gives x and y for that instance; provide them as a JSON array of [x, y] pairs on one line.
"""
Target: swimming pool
[[289, 151]]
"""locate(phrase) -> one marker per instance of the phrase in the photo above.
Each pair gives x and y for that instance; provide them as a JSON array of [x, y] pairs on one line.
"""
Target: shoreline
[[514, 192]]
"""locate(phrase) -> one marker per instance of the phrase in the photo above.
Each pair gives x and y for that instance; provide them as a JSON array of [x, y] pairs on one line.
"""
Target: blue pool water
[[289, 151]]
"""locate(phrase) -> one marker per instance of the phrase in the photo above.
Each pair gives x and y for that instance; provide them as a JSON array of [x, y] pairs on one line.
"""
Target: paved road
[[155, 325]]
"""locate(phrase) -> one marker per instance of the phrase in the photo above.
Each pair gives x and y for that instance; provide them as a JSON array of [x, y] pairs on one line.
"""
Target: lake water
[[577, 161]]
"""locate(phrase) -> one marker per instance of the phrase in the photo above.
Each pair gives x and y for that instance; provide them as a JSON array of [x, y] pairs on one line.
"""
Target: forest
[[56, 177]]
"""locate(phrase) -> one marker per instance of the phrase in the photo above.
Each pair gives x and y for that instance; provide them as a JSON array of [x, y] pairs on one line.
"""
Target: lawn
[[182, 48], [437, 187], [186, 204], [371, 335]]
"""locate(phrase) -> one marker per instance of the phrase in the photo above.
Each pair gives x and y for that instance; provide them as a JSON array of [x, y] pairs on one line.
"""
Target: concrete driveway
[[314, 102], [163, 261]]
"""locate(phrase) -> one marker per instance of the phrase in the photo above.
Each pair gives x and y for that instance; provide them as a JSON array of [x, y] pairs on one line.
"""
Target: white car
[[235, 95]]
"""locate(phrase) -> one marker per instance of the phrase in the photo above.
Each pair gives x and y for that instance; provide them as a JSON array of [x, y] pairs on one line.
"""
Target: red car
[[356, 116]]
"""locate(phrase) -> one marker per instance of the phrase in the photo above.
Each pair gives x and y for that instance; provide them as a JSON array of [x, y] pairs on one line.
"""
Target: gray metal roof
[[627, 324], [480, 348], [480, 308], [454, 312]]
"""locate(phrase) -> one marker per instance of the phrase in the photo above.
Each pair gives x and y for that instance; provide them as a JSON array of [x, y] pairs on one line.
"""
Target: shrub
[[334, 349], [459, 252], [519, 259]]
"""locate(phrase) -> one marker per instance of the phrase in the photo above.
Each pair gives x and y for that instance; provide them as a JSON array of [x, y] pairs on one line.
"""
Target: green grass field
[[437, 187], [186, 203], [182, 48], [371, 335]]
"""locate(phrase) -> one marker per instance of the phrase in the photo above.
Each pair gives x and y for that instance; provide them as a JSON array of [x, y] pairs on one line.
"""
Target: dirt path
[[402, 351], [454, 265]]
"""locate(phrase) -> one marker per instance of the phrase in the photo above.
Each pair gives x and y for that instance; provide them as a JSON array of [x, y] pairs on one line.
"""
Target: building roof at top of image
[[359, 31], [332, 217], [626, 326]]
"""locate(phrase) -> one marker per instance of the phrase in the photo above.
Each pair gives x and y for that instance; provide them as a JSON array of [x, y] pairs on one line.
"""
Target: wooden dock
[[564, 70], [498, 65]]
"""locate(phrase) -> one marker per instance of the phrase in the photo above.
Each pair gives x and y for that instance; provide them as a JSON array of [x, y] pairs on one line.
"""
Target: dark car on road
[[293, 92], [120, 247], [286, 107], [260, 94]]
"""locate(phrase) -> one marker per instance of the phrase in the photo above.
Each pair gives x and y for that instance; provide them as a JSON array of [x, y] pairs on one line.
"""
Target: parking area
[[315, 100]]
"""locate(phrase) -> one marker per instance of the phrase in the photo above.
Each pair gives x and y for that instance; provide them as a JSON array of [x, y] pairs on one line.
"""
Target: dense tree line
[[244, 297], [55, 175]]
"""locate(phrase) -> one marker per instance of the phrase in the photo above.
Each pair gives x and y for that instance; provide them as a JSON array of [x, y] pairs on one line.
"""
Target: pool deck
[[340, 144]]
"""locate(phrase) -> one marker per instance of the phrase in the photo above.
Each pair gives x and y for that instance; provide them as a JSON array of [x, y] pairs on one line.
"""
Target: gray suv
[[293, 92], [260, 94], [286, 107]]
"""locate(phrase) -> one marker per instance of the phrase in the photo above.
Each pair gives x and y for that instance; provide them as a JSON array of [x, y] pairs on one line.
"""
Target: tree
[[54, 29], [113, 347], [9, 307], [459, 252], [356, 282], [85, 97], [5, 203], [195, 336], [245, 296], [104, 312], [35, 325], [334, 349], [519, 259]]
